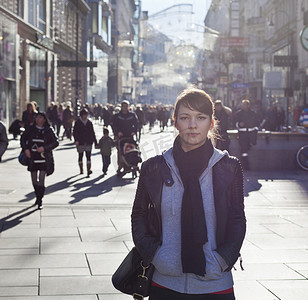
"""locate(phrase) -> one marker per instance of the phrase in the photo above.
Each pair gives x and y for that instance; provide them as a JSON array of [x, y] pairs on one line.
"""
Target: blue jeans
[[106, 162]]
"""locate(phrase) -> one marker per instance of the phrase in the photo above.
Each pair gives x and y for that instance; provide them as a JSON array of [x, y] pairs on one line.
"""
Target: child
[[105, 144]]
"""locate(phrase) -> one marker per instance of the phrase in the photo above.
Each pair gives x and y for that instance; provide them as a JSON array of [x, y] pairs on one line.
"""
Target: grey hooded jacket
[[156, 221]]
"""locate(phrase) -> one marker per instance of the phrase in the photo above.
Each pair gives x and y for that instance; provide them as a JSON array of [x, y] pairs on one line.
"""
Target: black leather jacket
[[229, 206]]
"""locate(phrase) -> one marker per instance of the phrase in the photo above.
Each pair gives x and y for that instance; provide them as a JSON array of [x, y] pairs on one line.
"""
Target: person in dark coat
[[188, 216], [125, 124], [84, 137], [222, 117], [15, 128], [37, 142], [28, 115], [52, 114], [246, 122], [141, 121], [68, 118]]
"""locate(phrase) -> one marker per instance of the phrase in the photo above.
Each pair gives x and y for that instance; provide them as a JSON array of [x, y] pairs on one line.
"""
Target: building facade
[[120, 61], [265, 36], [70, 35], [27, 56], [98, 49], [35, 36]]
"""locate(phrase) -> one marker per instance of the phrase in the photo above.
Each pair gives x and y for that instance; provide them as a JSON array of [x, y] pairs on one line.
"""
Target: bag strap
[[142, 281]]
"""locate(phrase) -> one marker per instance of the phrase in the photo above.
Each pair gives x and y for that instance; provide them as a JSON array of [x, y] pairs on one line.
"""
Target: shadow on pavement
[[97, 189], [6, 223], [54, 187], [65, 148], [9, 159], [251, 184], [252, 178]]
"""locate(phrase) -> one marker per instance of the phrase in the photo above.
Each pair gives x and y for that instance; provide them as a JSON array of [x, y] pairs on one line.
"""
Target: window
[[95, 17], [37, 67], [37, 13], [20, 8]]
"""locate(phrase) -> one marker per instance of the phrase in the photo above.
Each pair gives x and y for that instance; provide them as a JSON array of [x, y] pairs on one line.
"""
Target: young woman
[[84, 136], [188, 216], [38, 141]]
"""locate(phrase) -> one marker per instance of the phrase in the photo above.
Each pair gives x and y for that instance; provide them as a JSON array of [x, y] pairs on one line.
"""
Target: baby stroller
[[128, 157]]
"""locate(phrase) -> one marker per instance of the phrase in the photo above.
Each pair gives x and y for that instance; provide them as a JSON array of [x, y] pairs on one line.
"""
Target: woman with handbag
[[188, 216], [37, 142]]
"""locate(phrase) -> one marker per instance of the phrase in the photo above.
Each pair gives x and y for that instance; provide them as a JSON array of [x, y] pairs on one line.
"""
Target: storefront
[[37, 59], [8, 74]]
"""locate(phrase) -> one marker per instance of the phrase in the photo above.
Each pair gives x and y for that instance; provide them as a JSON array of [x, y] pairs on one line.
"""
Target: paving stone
[[57, 212], [51, 272], [21, 242], [274, 241], [288, 230], [300, 220], [76, 285], [266, 271], [255, 228], [18, 291], [26, 251], [287, 289], [105, 264], [82, 247], [27, 214], [115, 297], [19, 277], [22, 225], [54, 222], [60, 239], [97, 234], [43, 261], [274, 256], [43, 232], [92, 219], [252, 290], [122, 225]]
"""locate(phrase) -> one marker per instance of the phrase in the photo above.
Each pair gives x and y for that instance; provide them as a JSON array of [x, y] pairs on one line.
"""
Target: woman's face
[[40, 120], [193, 127]]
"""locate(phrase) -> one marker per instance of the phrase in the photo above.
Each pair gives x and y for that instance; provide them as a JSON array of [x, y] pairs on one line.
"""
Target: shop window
[[37, 59]]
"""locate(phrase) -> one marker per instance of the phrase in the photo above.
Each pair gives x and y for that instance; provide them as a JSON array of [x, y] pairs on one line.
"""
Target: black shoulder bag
[[132, 277]]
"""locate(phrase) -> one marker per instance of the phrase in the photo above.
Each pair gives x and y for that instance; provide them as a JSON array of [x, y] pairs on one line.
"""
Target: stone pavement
[[70, 249]]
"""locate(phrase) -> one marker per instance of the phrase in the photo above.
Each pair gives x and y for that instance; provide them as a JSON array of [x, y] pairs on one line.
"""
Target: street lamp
[[287, 62]]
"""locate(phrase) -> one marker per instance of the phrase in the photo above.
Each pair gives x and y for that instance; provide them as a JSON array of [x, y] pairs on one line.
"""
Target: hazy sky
[[199, 7], [190, 37]]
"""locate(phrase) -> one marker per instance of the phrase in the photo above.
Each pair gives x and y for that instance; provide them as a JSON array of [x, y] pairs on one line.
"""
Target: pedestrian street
[[70, 248]]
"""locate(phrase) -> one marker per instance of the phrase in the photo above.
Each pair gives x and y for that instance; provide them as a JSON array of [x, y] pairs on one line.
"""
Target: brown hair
[[194, 99]]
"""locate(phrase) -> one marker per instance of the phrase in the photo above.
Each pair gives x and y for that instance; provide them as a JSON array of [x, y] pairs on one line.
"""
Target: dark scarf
[[191, 165]]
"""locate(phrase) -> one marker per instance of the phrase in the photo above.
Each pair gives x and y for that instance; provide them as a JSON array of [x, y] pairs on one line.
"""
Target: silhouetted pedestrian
[[84, 136]]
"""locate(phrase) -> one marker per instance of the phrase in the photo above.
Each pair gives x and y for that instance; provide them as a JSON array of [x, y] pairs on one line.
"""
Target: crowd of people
[[188, 217], [42, 131]]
